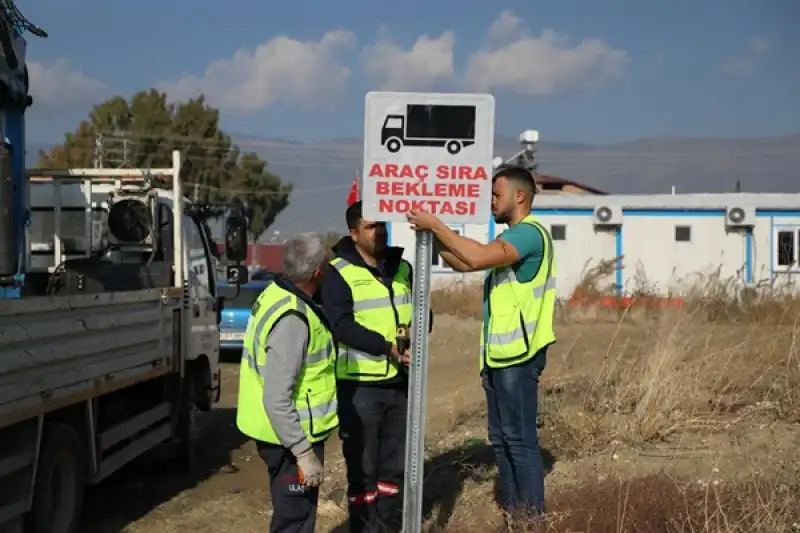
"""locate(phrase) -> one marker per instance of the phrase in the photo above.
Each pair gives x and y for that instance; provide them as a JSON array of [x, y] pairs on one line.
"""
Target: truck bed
[[56, 351]]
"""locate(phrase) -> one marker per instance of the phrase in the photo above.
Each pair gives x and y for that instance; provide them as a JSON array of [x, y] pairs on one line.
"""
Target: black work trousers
[[372, 428], [294, 508]]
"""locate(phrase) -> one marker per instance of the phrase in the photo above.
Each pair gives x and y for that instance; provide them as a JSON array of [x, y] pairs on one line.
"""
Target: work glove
[[310, 470]]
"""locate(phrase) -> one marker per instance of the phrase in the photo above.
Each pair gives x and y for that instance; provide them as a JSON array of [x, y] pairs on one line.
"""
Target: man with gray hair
[[287, 383]]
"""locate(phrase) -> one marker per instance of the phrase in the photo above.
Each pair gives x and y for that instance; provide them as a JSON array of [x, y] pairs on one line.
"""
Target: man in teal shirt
[[511, 392]]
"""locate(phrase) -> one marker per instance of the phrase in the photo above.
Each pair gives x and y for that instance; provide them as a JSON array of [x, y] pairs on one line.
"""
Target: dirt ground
[[703, 404]]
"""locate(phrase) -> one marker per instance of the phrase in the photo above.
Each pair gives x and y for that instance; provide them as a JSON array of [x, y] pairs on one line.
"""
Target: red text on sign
[[441, 190], [421, 172], [436, 207]]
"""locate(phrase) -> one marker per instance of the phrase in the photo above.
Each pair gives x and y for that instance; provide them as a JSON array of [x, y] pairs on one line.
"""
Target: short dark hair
[[520, 177], [354, 214]]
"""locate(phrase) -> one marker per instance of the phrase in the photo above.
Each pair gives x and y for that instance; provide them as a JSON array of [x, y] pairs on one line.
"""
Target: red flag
[[352, 197]]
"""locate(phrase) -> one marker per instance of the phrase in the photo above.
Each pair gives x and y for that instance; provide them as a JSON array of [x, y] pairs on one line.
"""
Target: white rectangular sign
[[428, 151]]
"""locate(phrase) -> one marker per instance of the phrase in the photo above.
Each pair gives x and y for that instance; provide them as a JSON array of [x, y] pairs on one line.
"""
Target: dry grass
[[723, 368], [463, 300], [656, 503], [654, 420]]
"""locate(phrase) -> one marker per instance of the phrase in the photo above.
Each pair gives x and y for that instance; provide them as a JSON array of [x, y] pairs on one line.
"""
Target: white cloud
[[506, 28], [427, 63], [60, 85], [541, 65], [282, 69], [747, 63]]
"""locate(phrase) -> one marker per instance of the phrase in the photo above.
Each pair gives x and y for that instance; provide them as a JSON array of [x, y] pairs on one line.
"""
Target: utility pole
[[98, 151], [125, 152]]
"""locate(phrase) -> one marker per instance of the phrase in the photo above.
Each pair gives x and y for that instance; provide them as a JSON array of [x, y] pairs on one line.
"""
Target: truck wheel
[[453, 147], [60, 479], [394, 145]]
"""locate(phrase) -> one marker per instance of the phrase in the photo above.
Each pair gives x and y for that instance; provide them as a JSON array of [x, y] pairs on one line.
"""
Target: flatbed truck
[[111, 345]]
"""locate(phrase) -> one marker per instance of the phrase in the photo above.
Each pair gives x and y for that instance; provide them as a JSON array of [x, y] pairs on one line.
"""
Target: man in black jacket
[[366, 295]]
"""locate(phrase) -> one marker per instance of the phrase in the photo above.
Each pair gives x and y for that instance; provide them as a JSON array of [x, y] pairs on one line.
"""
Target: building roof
[[553, 183]]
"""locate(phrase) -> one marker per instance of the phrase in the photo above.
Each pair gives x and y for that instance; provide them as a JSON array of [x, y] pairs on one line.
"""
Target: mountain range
[[322, 172]]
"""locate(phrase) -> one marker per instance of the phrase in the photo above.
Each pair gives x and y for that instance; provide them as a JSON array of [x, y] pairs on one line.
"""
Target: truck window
[[200, 269], [204, 242], [394, 123]]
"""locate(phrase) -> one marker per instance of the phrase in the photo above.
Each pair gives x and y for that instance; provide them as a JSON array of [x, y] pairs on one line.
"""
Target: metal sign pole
[[418, 387]]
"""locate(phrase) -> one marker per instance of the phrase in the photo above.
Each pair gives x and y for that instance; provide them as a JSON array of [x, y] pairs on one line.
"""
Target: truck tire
[[453, 147], [394, 145], [60, 482]]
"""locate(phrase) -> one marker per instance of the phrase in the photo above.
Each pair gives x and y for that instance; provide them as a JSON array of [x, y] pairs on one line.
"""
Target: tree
[[142, 133]]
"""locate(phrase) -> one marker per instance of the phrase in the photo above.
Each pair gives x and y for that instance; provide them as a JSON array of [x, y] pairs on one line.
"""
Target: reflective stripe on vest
[[314, 394], [520, 314], [377, 308]]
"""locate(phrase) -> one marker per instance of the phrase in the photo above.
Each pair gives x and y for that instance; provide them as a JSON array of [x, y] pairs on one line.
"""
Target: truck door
[[202, 295]]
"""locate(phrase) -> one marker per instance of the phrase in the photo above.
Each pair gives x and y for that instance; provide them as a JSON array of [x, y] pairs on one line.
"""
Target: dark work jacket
[[337, 300]]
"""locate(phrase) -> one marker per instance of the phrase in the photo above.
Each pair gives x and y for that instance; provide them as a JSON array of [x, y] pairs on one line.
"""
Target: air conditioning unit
[[740, 217], [608, 215]]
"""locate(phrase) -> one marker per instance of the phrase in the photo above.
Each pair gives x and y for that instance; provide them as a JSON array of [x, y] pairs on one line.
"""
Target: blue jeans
[[512, 398]]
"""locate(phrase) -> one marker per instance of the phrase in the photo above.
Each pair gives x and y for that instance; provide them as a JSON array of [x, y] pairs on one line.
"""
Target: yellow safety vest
[[520, 314], [377, 308], [315, 391]]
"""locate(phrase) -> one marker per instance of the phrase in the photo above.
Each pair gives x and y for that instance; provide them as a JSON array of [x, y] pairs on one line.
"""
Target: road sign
[[428, 151], [432, 152]]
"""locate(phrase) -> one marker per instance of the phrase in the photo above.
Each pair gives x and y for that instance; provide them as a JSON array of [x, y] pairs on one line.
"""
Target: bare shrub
[[728, 300], [687, 376], [657, 503], [729, 357]]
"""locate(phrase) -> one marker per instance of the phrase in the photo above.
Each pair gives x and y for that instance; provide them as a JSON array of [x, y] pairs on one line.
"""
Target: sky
[[596, 71]]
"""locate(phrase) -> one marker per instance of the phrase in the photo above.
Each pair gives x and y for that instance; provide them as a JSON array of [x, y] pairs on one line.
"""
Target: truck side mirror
[[236, 238]]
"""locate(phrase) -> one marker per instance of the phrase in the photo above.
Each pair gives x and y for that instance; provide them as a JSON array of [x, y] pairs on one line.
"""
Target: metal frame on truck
[[88, 382]]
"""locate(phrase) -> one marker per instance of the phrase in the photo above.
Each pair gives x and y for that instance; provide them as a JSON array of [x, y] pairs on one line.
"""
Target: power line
[[270, 193], [121, 156], [227, 145], [603, 152]]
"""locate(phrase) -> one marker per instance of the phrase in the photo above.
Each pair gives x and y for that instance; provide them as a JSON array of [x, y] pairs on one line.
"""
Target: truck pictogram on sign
[[438, 126]]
